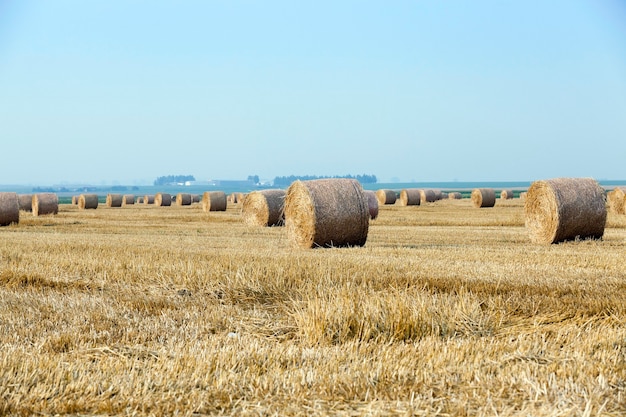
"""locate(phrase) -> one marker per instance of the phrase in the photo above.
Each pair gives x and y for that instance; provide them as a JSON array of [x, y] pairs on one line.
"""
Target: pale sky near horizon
[[108, 92]]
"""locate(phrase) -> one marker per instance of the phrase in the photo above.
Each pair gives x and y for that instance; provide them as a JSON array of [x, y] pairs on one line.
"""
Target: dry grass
[[446, 310]]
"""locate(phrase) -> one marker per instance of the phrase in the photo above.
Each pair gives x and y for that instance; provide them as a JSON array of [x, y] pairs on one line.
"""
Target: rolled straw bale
[[264, 208], [88, 201], [128, 199], [617, 200], [506, 194], [183, 199], [438, 195], [483, 197], [386, 197], [196, 198], [372, 203], [214, 201], [410, 197], [564, 209], [522, 195], [326, 213], [25, 202], [148, 199], [75, 200], [114, 200], [139, 200], [163, 199], [427, 196], [9, 208], [45, 203], [454, 195], [241, 197]]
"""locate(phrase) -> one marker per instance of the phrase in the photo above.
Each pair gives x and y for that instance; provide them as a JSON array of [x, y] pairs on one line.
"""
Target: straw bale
[[148, 199], [264, 208], [563, 209], [386, 197], [196, 198], [9, 208], [183, 199], [454, 195], [75, 200], [427, 196], [25, 202], [372, 203], [163, 199], [410, 197], [88, 201], [438, 195], [506, 194], [522, 195], [45, 203], [128, 199], [139, 200], [326, 213], [214, 201], [114, 200], [483, 197], [617, 200]]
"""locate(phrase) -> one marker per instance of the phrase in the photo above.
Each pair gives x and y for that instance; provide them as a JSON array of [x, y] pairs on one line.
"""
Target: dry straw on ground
[[45, 203], [506, 194], [372, 203], [410, 197], [264, 208], [148, 199], [617, 200], [386, 197], [326, 213], [114, 200], [9, 208], [128, 200], [483, 197], [427, 196], [25, 201], [565, 209], [214, 201], [163, 200], [454, 195], [183, 199], [88, 201]]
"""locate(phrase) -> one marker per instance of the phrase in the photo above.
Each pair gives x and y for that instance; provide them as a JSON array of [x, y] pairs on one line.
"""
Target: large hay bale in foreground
[[45, 203], [114, 200], [214, 201], [25, 202], [410, 197], [183, 199], [148, 199], [9, 208], [326, 213], [483, 197], [88, 201], [128, 200], [264, 208], [455, 195], [565, 209], [372, 203], [506, 194], [386, 197], [163, 200], [617, 200]]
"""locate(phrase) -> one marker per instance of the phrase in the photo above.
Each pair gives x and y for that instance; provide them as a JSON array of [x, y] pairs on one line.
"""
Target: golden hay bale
[[372, 203], [88, 201], [617, 200], [454, 195], [25, 202], [410, 197], [506, 194], [427, 196], [148, 199], [326, 213], [139, 200], [264, 208], [214, 201], [128, 199], [114, 200], [483, 197], [564, 209], [9, 208], [183, 199], [45, 203], [522, 195], [75, 200], [163, 199], [386, 197]]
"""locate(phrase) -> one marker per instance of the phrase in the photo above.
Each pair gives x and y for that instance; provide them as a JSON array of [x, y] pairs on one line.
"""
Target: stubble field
[[447, 310]]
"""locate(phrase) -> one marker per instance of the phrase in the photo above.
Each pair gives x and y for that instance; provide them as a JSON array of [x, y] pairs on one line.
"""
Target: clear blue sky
[[108, 92]]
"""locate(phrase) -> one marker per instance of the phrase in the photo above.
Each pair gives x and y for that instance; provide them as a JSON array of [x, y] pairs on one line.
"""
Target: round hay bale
[[454, 195], [372, 203], [163, 199], [183, 199], [386, 197], [564, 209], [88, 201], [410, 197], [114, 200], [522, 195], [427, 196], [74, 200], [438, 195], [326, 213], [128, 200], [617, 200], [214, 201], [9, 208], [196, 198], [45, 203], [483, 197], [148, 199], [25, 202], [506, 194], [139, 200], [264, 208]]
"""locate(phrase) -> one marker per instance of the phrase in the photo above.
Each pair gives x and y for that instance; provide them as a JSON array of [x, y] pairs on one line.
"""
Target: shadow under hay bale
[[214, 201], [45, 203], [87, 201], [264, 208], [163, 200], [9, 208], [563, 209], [326, 213], [410, 197], [25, 202], [483, 197], [114, 200], [372, 203]]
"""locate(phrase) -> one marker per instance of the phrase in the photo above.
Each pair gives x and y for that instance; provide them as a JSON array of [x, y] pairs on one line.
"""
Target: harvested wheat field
[[446, 310]]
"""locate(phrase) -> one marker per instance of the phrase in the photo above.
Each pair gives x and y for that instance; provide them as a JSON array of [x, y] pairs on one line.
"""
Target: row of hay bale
[[39, 204], [211, 200], [482, 197]]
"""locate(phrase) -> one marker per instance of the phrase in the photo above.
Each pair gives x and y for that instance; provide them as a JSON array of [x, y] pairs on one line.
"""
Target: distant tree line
[[285, 181], [173, 179]]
